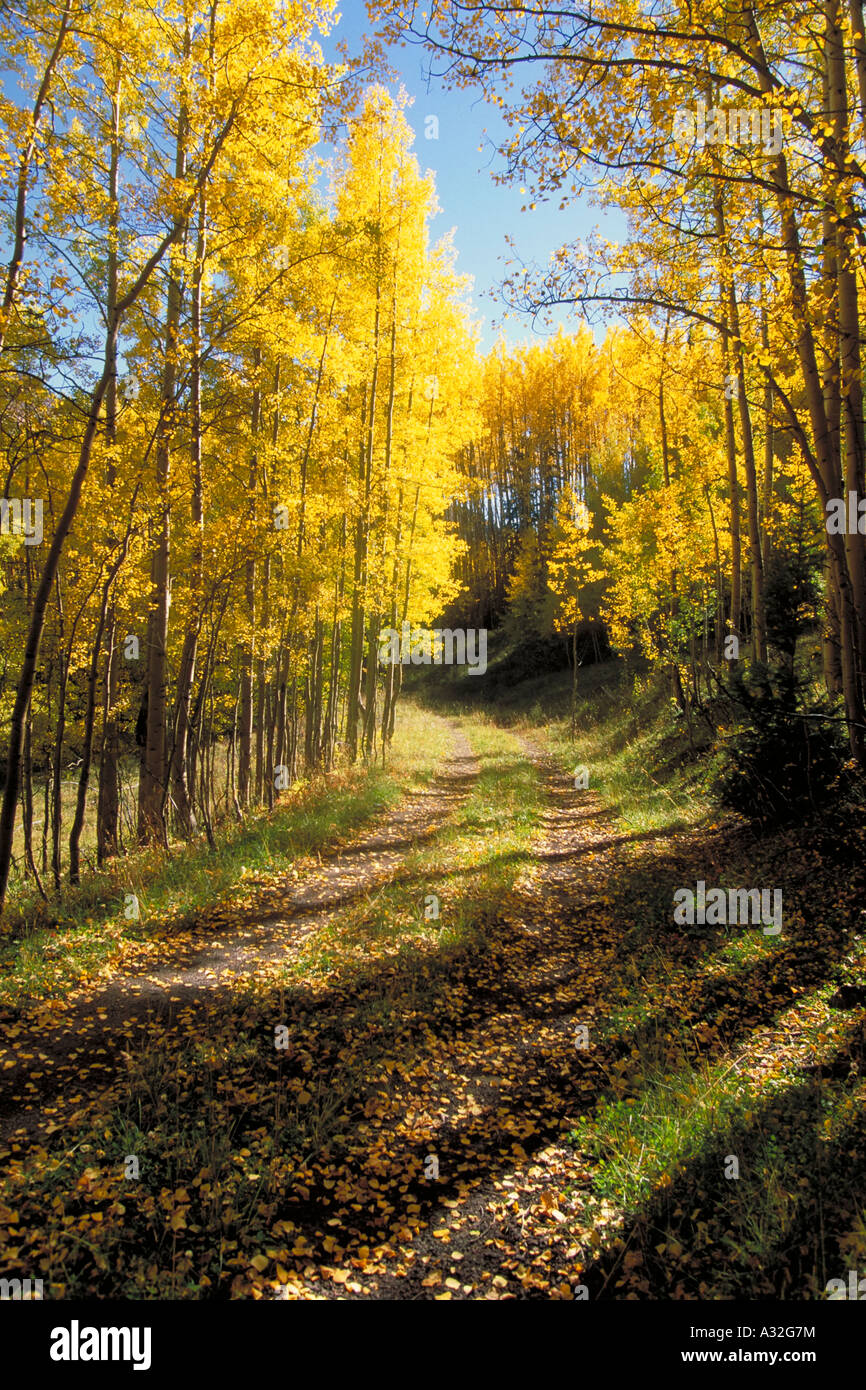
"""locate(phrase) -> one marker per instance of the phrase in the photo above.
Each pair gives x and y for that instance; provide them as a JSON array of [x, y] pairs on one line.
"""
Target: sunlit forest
[[433, 712]]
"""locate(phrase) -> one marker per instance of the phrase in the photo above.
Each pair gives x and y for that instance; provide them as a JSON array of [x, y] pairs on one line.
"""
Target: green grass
[[200, 1108], [692, 1066], [50, 948], [677, 1102], [628, 732], [711, 1161], [629, 738], [470, 866]]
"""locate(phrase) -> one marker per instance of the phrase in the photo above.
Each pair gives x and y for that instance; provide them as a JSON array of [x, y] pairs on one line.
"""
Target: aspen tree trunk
[[333, 715], [180, 772], [313, 695], [831, 637], [245, 737], [316, 698], [855, 11], [153, 774], [206, 742], [391, 687], [392, 714], [849, 320], [373, 634], [90, 720], [769, 444], [356, 650], [333, 707], [270, 681], [261, 691], [27, 767], [319, 707], [730, 439], [202, 744], [108, 795], [230, 785], [766, 500], [46, 811], [293, 734], [832, 393], [263, 687], [719, 625], [828, 468], [27, 810], [574, 682], [356, 655], [64, 658], [371, 689], [270, 714], [263, 699], [827, 463], [280, 741], [182, 768], [65, 667], [309, 693], [207, 788], [756, 567], [395, 675], [676, 680]]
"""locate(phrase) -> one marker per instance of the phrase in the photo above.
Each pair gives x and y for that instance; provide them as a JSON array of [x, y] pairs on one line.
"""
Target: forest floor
[[463, 1053]]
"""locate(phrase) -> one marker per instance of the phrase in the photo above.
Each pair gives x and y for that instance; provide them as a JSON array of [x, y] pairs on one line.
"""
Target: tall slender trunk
[[855, 11], [27, 769], [245, 732], [847, 258], [57, 764], [27, 808], [827, 471], [356, 647], [90, 719], [108, 797], [186, 674], [730, 433], [153, 776], [756, 566]]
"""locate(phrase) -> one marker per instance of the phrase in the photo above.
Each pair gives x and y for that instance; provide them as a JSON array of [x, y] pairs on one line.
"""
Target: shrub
[[783, 753]]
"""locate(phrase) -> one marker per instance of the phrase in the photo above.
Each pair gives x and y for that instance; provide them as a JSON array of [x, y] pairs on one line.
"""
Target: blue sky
[[482, 212], [463, 159]]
